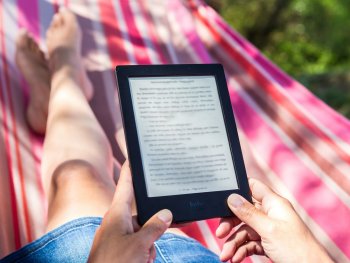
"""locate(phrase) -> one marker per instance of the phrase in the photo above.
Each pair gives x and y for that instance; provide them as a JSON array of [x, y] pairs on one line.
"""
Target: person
[[77, 171]]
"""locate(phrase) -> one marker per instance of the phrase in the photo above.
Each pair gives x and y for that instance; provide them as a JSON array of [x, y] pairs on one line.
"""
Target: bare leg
[[77, 161]]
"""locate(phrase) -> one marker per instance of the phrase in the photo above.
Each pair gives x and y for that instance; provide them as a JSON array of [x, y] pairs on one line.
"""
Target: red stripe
[[194, 231], [270, 89], [6, 132], [115, 43], [213, 225], [139, 50]]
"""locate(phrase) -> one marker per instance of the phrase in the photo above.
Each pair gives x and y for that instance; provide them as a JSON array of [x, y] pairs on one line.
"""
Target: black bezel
[[187, 207]]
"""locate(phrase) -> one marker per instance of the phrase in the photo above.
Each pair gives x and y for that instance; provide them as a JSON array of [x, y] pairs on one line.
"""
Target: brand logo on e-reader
[[196, 204]]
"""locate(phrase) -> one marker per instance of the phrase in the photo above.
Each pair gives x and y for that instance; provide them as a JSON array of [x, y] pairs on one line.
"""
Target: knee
[[72, 172]]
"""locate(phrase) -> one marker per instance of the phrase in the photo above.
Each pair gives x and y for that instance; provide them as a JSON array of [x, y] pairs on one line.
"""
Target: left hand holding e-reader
[[182, 140]]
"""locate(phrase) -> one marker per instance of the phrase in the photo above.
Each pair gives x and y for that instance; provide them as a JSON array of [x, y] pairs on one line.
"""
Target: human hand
[[271, 227], [119, 238]]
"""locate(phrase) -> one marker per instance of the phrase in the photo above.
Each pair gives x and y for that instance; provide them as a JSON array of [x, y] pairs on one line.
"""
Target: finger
[[226, 225], [242, 235], [155, 227], [122, 200], [248, 249], [260, 190], [124, 193], [248, 213], [270, 200]]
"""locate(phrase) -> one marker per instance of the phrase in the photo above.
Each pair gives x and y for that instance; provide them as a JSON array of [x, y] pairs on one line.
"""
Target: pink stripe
[[305, 186], [28, 17], [331, 119], [186, 22]]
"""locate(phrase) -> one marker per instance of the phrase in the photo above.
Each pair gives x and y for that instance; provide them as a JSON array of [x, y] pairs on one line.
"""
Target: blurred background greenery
[[309, 39]]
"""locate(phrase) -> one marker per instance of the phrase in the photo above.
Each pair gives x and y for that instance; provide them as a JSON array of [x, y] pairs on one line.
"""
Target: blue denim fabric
[[177, 249], [72, 242]]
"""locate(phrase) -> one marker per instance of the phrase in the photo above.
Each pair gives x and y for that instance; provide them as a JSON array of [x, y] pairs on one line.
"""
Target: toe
[[32, 44], [67, 15], [56, 20]]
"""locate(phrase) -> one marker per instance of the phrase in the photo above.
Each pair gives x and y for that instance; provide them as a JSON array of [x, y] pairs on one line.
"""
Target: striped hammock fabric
[[291, 140]]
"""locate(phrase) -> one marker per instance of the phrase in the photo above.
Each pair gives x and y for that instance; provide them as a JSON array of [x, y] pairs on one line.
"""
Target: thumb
[[156, 226], [248, 213]]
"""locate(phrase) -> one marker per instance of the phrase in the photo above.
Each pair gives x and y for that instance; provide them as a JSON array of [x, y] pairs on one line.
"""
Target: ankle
[[63, 57], [64, 64]]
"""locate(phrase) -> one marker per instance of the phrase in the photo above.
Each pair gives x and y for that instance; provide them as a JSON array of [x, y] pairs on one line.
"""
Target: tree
[[309, 39]]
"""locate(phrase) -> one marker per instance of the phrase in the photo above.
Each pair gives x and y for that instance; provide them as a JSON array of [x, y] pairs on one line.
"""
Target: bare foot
[[64, 48], [33, 65]]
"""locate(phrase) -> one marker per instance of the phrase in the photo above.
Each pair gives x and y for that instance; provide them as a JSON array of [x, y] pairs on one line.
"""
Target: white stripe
[[157, 11], [292, 146], [208, 236], [338, 141]]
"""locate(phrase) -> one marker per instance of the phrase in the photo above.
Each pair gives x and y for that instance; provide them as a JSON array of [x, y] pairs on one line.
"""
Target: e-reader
[[182, 141]]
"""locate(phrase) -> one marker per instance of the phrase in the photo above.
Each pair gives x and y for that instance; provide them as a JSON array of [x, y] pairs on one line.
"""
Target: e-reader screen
[[182, 136]]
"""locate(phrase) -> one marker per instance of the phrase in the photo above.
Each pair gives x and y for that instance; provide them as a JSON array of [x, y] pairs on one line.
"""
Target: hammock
[[291, 140]]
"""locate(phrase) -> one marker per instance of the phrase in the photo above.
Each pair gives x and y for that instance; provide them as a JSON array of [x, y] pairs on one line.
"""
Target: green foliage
[[306, 38]]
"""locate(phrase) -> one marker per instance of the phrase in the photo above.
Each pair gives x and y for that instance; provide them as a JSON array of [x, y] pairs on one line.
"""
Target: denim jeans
[[72, 242]]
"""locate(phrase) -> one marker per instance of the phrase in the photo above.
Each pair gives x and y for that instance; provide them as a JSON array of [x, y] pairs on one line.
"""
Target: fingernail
[[165, 215], [235, 200]]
